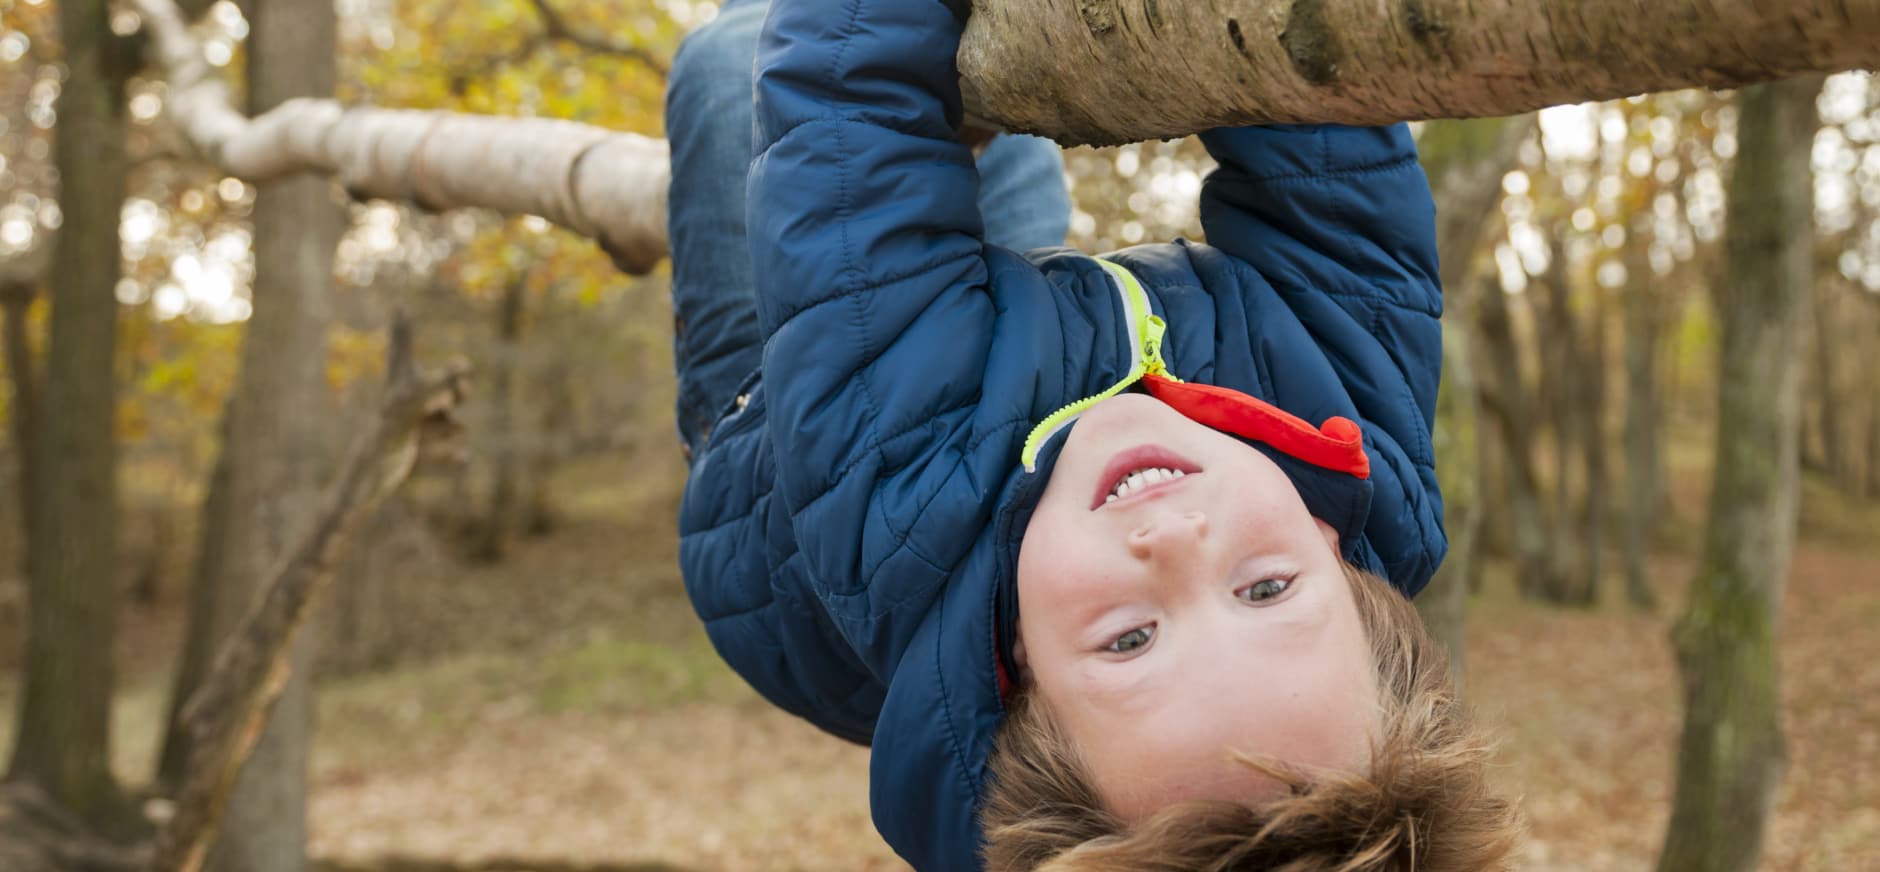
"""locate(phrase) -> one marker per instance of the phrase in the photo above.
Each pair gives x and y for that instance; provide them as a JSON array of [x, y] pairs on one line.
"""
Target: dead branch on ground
[[224, 718]]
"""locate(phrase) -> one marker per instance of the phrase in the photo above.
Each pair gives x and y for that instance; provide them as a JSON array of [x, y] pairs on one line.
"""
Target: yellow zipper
[[1145, 336]]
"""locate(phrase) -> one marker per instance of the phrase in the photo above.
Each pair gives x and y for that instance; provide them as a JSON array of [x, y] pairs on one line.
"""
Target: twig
[[557, 28], [225, 716]]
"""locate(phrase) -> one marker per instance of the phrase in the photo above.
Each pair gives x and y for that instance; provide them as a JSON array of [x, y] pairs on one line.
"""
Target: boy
[[895, 531]]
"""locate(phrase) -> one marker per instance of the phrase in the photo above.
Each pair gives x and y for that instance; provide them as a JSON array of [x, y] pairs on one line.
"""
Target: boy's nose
[[1158, 534]]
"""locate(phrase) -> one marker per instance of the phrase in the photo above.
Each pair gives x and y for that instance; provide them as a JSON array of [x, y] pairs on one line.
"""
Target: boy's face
[[1188, 618]]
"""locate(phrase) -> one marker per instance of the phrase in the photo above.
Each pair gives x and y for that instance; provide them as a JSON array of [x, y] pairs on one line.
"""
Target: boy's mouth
[[1139, 470]]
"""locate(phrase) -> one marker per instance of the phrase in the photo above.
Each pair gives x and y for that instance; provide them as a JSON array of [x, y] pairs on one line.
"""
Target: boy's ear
[[1331, 535], [1018, 655]]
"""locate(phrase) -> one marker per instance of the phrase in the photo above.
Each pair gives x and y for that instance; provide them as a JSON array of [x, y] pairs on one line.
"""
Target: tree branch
[[554, 29], [1101, 72], [603, 184], [225, 716], [1096, 71], [557, 28]]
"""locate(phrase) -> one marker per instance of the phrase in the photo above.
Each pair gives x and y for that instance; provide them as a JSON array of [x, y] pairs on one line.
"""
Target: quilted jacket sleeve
[[873, 294], [1340, 221]]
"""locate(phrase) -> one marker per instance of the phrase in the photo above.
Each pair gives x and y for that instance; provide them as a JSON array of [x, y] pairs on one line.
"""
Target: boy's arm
[[1340, 221], [871, 291]]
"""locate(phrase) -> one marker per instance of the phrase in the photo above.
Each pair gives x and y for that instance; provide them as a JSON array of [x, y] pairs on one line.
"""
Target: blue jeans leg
[[1022, 197], [716, 342]]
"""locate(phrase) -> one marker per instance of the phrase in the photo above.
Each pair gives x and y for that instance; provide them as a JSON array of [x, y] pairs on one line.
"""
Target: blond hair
[[1424, 805]]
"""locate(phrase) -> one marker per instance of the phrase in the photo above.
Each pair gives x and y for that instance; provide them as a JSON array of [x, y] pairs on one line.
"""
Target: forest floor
[[564, 705]]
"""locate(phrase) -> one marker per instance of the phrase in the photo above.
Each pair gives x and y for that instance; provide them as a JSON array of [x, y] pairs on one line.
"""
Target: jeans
[[716, 344]]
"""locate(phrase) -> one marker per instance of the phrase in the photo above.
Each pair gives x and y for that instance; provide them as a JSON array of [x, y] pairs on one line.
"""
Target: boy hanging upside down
[[1108, 560]]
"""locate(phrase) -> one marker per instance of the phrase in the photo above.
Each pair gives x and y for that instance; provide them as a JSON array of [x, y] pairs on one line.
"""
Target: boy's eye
[[1265, 590], [1132, 640]]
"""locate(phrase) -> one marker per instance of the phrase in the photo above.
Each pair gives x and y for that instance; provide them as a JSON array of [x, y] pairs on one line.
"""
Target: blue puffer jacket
[[850, 532]]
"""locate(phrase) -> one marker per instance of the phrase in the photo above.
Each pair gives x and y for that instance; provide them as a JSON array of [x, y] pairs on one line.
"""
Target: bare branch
[[225, 715], [603, 184], [557, 28]]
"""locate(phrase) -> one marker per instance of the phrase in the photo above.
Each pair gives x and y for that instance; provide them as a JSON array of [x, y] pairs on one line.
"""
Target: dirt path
[[610, 750], [565, 706]]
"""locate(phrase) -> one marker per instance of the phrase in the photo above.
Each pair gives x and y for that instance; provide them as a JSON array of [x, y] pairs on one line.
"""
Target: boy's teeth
[[1142, 478]]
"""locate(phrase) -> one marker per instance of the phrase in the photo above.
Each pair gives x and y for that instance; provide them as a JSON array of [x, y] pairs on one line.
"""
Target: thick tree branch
[[225, 716], [1094, 71], [1108, 71], [603, 184]]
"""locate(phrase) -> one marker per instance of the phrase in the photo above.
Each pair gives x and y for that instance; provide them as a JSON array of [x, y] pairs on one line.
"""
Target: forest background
[[507, 674]]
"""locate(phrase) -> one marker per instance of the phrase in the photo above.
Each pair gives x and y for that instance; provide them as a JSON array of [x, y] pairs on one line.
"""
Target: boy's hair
[[1424, 805]]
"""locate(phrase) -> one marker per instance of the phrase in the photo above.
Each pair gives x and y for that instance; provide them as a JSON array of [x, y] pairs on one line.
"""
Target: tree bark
[[1872, 489], [1102, 72], [501, 513], [1095, 71], [1827, 400], [1562, 385], [63, 741], [16, 299], [1730, 757], [199, 632], [1590, 418], [1644, 459], [1508, 402], [1465, 161]]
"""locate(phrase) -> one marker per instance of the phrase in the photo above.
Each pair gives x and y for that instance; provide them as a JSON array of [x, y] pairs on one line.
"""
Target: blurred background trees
[[1595, 299]]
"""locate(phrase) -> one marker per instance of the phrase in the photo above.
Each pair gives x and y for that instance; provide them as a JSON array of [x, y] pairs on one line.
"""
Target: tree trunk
[[15, 300], [548, 447], [273, 454], [1827, 400], [1730, 757], [1562, 386], [500, 515], [1508, 402], [200, 634], [1465, 161], [1590, 418], [1095, 71], [1873, 432], [1644, 459], [64, 729]]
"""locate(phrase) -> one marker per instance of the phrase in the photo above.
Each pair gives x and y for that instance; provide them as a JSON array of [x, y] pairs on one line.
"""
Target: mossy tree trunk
[[1730, 757], [63, 741]]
